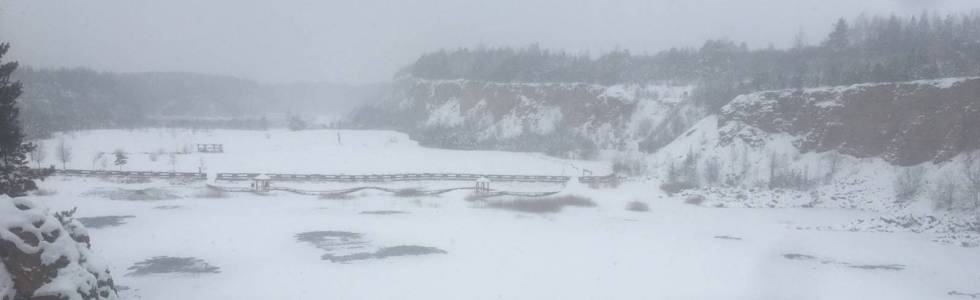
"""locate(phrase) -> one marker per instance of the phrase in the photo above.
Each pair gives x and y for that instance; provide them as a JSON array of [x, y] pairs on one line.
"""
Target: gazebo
[[261, 183], [482, 185]]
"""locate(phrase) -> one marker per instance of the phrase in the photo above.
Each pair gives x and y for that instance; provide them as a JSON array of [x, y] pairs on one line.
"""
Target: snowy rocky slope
[[905, 123], [907, 150], [562, 119]]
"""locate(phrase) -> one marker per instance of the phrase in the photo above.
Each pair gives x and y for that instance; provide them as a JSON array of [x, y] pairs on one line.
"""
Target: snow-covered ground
[[283, 151], [288, 246], [673, 251]]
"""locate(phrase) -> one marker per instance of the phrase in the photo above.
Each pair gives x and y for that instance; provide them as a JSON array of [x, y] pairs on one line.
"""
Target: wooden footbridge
[[367, 179], [413, 177]]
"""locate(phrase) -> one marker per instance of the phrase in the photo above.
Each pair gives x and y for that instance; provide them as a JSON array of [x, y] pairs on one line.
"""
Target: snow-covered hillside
[[900, 149], [558, 118]]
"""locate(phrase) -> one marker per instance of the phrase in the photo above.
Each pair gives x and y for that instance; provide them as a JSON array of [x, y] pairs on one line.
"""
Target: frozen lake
[[165, 241]]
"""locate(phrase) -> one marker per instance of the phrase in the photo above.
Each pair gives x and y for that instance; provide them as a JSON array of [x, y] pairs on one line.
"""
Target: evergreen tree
[[16, 178], [120, 158]]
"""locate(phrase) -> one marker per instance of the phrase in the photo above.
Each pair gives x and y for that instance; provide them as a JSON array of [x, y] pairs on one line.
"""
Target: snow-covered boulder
[[47, 256]]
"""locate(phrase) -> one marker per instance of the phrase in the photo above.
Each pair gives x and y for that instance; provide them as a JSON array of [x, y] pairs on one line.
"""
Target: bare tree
[[39, 153], [833, 165], [712, 171], [64, 152], [908, 183], [971, 173], [172, 159], [944, 192], [98, 156]]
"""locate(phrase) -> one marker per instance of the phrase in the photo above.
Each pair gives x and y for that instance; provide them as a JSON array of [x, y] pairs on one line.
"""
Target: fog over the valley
[[367, 41]]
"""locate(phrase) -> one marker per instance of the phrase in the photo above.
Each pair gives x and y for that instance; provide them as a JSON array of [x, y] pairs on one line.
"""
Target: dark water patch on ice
[[382, 212], [541, 205], [407, 250], [344, 246], [167, 264], [963, 294], [332, 240], [149, 194], [103, 221], [385, 252], [890, 267], [797, 256], [874, 267], [735, 238], [167, 207]]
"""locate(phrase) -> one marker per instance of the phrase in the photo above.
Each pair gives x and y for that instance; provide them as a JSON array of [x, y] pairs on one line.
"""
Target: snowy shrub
[[712, 171], [681, 178], [608, 182], [211, 193], [296, 123], [971, 175], [908, 183], [542, 205], [944, 193], [637, 206], [630, 165], [694, 200], [793, 180], [672, 188]]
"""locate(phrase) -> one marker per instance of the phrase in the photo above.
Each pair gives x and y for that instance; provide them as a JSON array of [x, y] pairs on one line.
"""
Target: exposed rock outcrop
[[564, 119], [905, 123]]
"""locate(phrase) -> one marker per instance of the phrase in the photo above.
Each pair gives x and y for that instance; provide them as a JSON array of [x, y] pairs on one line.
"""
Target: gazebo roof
[[483, 179], [262, 177]]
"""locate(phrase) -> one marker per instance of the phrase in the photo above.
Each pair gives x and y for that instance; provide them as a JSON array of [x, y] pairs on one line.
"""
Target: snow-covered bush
[[630, 165], [944, 193], [908, 183], [211, 193], [637, 206], [47, 256]]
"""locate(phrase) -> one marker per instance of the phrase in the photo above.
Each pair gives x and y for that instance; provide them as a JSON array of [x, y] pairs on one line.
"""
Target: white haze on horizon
[[367, 41]]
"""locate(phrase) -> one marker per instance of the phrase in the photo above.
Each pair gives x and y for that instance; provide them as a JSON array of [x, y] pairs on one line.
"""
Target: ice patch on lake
[[343, 246], [103, 221], [167, 264]]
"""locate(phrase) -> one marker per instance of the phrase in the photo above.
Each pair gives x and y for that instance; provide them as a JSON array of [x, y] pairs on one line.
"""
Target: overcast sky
[[360, 41]]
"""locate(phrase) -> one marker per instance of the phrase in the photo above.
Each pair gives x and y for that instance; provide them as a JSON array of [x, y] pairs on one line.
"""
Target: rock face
[[565, 119], [904, 123], [45, 256]]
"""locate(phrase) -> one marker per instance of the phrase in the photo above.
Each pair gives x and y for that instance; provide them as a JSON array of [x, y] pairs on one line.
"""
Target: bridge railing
[[132, 174], [412, 177]]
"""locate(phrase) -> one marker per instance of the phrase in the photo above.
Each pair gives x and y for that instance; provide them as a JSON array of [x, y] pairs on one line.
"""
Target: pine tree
[[121, 158], [16, 178], [840, 37]]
